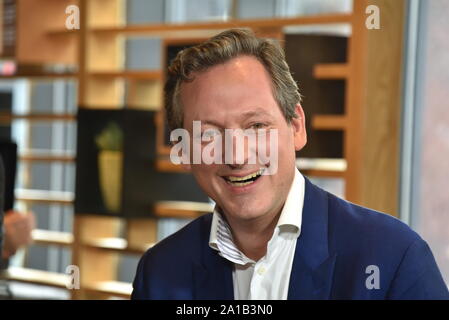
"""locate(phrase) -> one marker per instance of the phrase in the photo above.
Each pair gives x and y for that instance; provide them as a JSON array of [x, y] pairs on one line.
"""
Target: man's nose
[[236, 151]]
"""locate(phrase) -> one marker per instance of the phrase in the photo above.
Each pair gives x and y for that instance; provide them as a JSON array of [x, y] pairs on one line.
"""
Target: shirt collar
[[292, 211], [291, 214]]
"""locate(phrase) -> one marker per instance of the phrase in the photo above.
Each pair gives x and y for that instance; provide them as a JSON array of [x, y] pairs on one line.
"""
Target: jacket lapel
[[212, 277], [312, 270]]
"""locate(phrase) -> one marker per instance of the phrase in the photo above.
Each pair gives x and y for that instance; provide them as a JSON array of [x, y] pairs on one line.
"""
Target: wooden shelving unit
[[322, 168], [34, 49], [110, 288], [44, 196], [181, 209], [7, 117], [46, 158], [36, 277], [46, 237], [149, 75], [167, 30], [34, 19], [118, 245], [331, 71], [41, 75], [329, 122], [97, 49]]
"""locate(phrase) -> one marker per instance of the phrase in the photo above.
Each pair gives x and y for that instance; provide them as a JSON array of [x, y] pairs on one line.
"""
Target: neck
[[252, 236]]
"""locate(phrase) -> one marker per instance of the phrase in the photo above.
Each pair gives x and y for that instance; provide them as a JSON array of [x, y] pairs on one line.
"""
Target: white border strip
[[409, 110]]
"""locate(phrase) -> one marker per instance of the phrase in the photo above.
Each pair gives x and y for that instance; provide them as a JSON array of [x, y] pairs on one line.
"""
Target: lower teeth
[[240, 184]]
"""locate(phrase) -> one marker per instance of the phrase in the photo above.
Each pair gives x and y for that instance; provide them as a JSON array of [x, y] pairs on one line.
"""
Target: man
[[271, 236]]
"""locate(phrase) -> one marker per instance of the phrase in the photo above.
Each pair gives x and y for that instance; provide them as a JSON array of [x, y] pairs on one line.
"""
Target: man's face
[[238, 95]]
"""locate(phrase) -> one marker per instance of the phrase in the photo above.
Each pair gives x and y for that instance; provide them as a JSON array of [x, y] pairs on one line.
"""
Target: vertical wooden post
[[141, 232], [96, 265], [355, 95], [77, 223], [372, 141]]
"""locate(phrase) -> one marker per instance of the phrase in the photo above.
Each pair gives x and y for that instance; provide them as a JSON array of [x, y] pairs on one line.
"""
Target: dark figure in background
[[2, 192], [15, 227]]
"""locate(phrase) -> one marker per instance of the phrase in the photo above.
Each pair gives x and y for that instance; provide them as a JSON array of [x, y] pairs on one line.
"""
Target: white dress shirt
[[268, 278]]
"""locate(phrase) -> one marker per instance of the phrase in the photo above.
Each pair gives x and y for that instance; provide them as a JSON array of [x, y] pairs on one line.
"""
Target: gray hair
[[220, 49]]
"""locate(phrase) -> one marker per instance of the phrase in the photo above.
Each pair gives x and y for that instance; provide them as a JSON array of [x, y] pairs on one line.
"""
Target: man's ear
[[298, 125]]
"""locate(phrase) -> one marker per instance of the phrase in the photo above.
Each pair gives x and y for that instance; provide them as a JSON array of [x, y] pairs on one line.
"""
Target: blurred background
[[85, 144]]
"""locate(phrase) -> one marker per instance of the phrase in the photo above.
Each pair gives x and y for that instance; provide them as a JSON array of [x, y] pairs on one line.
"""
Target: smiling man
[[275, 235]]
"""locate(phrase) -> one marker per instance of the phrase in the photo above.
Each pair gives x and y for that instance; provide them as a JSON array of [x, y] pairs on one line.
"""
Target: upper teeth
[[252, 175]]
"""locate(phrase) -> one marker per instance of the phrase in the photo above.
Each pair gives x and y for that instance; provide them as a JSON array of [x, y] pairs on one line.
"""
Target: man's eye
[[257, 125], [210, 133]]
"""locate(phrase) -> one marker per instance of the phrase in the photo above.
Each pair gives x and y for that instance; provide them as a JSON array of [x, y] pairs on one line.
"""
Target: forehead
[[229, 90]]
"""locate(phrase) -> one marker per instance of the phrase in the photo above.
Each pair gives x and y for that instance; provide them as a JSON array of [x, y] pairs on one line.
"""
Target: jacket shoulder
[[165, 270], [358, 226], [364, 238], [184, 244]]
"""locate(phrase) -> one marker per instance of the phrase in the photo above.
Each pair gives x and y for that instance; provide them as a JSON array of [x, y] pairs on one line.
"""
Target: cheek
[[286, 155], [284, 146], [204, 175], [200, 172]]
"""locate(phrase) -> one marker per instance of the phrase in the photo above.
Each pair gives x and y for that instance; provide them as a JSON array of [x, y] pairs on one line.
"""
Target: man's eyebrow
[[244, 115], [211, 122], [255, 112]]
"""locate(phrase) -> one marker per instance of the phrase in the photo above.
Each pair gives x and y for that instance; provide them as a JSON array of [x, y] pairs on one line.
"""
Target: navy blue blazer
[[339, 241]]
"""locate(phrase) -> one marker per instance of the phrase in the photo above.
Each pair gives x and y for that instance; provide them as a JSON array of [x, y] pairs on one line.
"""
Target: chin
[[243, 207], [240, 212]]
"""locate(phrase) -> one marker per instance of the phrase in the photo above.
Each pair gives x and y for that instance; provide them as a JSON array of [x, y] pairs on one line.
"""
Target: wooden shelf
[[114, 288], [29, 158], [61, 32], [47, 152], [8, 117], [323, 173], [45, 117], [36, 277], [116, 245], [43, 196], [329, 122], [322, 168], [165, 29], [331, 71], [51, 75], [47, 237], [32, 43], [5, 117], [182, 209], [49, 157], [144, 75]]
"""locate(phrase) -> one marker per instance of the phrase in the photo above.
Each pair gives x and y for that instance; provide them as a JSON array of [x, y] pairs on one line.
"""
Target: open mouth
[[244, 181]]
